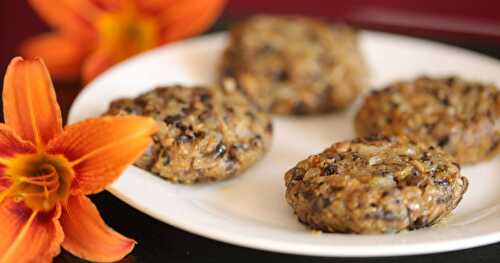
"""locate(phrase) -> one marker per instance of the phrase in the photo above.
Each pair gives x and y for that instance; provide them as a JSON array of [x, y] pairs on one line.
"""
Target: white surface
[[251, 210]]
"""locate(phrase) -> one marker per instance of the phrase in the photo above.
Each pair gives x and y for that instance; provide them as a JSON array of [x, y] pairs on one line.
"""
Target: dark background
[[470, 24]]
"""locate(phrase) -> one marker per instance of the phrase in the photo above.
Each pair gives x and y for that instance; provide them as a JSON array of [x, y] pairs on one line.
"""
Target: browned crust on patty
[[375, 184], [206, 134], [295, 65], [462, 117]]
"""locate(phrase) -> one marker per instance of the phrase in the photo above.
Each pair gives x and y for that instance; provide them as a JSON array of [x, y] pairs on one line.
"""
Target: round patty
[[295, 65], [460, 116], [206, 134], [375, 184]]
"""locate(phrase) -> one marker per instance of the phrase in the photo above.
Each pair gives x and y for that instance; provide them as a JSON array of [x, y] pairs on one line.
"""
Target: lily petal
[[100, 149], [87, 236], [28, 236], [113, 5], [63, 55], [97, 63], [188, 17], [4, 182], [29, 101], [145, 6], [10, 144], [154, 6], [74, 17]]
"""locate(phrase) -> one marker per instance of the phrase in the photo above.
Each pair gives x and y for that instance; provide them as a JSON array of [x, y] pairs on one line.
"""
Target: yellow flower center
[[126, 32], [40, 180]]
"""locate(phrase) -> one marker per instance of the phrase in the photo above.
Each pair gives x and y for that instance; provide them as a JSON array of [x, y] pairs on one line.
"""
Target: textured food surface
[[295, 65], [462, 117], [206, 134], [375, 184]]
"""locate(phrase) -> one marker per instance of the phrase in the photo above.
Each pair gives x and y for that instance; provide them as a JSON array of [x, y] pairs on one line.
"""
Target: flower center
[[40, 180], [126, 32]]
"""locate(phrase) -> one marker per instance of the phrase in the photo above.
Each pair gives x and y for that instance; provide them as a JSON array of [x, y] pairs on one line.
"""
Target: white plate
[[251, 210]]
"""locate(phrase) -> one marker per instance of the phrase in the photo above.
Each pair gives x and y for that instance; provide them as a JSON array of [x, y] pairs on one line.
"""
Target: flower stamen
[[41, 180]]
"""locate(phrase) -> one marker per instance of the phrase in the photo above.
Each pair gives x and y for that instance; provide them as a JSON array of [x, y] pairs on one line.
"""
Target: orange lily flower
[[92, 35], [46, 171]]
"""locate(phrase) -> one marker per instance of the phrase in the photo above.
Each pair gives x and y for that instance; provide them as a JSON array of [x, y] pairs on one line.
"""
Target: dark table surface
[[160, 242]]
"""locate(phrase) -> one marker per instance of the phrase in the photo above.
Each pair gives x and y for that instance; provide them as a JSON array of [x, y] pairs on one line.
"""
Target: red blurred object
[[464, 21]]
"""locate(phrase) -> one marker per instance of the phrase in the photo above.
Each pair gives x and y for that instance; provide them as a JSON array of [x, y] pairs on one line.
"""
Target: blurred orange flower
[[92, 35], [46, 171]]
